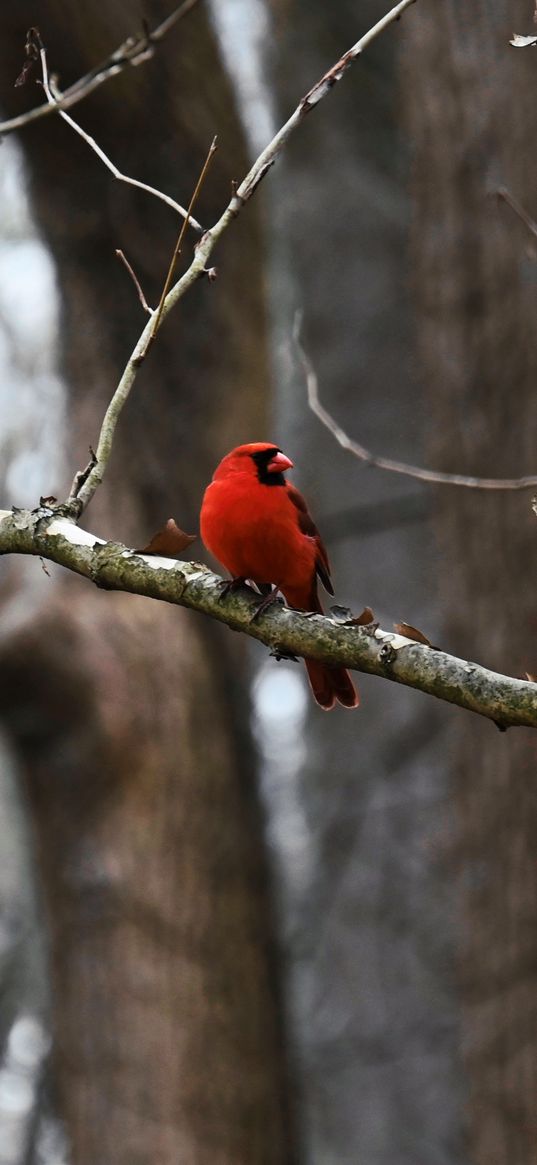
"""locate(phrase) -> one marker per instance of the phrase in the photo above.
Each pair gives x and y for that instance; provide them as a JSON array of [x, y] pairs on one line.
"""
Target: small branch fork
[[123, 259], [53, 96], [505, 700], [363, 454], [134, 51], [80, 496]]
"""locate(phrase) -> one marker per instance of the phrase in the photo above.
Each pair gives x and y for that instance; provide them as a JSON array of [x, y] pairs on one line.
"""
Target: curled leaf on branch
[[411, 632], [364, 619], [169, 541]]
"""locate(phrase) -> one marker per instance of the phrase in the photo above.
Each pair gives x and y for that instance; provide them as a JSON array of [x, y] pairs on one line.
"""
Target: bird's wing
[[307, 526]]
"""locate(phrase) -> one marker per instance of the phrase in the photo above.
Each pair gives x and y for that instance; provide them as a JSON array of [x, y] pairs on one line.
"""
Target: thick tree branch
[[110, 565]]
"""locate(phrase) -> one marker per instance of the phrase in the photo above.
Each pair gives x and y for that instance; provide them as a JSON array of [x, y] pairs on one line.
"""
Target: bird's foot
[[267, 601], [227, 586], [279, 653]]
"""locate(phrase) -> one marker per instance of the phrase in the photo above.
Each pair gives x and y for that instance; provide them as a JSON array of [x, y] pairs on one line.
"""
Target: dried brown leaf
[[31, 49], [169, 541], [362, 620], [24, 73], [410, 632]]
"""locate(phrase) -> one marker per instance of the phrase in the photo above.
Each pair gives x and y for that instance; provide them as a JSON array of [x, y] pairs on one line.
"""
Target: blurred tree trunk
[[131, 719], [472, 120], [370, 927]]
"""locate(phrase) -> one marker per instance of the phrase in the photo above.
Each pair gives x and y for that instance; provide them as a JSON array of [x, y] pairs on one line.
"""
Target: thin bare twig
[[505, 195], [363, 454], [86, 482], [122, 256], [207, 243], [177, 251], [324, 86], [164, 27], [82, 474], [53, 98], [134, 51]]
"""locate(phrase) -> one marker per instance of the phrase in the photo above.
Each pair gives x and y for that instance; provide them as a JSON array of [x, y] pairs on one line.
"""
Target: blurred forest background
[[234, 930]]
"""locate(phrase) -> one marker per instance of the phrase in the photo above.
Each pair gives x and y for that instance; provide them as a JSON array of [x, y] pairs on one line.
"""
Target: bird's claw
[[279, 653], [266, 602], [228, 586]]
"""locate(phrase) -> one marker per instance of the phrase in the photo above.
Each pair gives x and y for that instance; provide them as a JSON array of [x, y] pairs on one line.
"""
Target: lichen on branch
[[112, 566]]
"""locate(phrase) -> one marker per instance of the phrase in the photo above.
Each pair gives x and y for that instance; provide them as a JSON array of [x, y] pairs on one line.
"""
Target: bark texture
[[370, 924], [471, 119], [131, 719]]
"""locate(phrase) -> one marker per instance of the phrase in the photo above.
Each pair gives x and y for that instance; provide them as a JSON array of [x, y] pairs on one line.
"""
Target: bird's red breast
[[259, 527]]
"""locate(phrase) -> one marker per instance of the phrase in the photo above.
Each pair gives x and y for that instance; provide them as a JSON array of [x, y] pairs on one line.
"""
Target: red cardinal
[[259, 527]]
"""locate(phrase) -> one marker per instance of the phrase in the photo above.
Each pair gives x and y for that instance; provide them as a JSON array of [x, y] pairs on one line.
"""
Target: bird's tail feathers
[[331, 684]]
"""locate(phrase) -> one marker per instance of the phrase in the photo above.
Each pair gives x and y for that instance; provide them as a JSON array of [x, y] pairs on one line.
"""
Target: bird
[[258, 526]]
